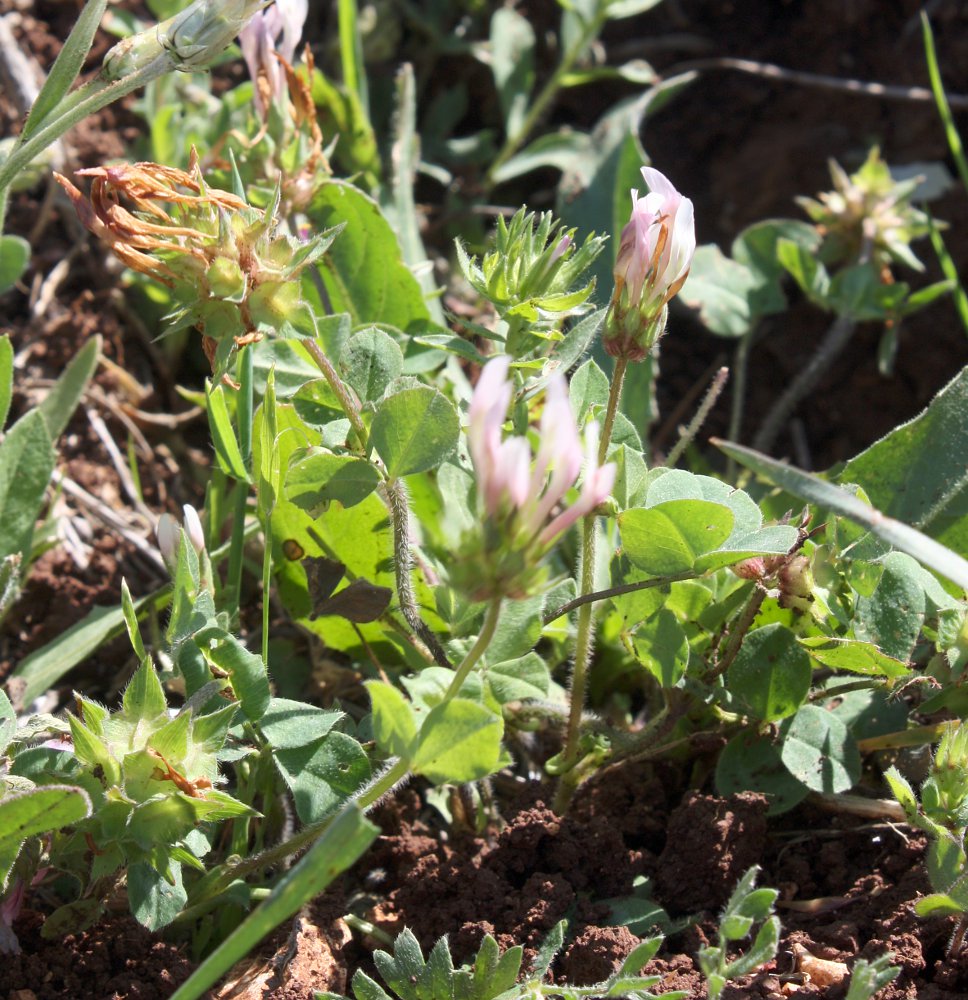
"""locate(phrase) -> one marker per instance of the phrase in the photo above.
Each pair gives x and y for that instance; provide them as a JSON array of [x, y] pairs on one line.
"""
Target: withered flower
[[233, 271], [147, 186]]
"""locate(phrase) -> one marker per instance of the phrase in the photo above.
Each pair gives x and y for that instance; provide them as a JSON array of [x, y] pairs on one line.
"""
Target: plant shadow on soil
[[742, 148]]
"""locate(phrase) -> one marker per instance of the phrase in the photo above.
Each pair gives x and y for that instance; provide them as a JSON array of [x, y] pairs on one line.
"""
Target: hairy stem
[[738, 396], [624, 588], [368, 797], [365, 799], [688, 435], [614, 396], [346, 401], [395, 497], [738, 633], [585, 637]]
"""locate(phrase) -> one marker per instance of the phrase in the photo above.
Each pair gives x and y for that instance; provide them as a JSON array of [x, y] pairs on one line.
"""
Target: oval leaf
[[819, 751], [415, 430], [319, 478], [394, 728], [460, 741], [771, 673], [370, 361], [670, 537]]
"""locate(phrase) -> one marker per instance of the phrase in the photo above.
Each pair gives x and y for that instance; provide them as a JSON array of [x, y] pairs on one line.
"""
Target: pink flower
[[260, 41], [520, 495], [562, 246], [653, 260]]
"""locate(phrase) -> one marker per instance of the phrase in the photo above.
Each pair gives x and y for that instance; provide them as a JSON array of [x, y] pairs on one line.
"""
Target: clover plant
[[466, 516]]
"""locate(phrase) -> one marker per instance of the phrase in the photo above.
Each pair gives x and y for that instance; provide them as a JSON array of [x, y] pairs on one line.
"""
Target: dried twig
[[119, 463], [860, 88], [110, 519]]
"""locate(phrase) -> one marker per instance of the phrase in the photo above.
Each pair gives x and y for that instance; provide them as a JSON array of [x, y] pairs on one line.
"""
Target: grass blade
[[950, 271], [59, 404], [349, 835], [812, 488], [351, 53], [43, 668], [66, 66], [406, 154], [941, 100]]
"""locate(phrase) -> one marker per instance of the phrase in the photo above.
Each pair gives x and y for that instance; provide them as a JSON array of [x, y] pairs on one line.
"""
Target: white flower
[[168, 533]]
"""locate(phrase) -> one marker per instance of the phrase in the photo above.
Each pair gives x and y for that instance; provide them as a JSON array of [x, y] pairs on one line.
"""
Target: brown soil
[[846, 887], [117, 960], [742, 148]]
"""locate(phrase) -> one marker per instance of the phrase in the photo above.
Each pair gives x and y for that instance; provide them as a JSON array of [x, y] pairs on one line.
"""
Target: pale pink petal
[[488, 409], [556, 421], [683, 241], [516, 467], [597, 485], [658, 182], [293, 16], [637, 246], [255, 41], [563, 244]]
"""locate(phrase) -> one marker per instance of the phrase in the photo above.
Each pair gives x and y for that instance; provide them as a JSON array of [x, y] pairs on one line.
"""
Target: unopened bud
[[189, 41], [652, 263], [167, 534], [795, 581], [193, 528]]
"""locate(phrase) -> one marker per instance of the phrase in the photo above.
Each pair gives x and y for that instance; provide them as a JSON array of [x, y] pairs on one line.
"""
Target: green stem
[[83, 102], [346, 401], [737, 633], [477, 650], [548, 92], [941, 101], [394, 496], [241, 490], [585, 636], [362, 926], [266, 585], [394, 493], [214, 884], [834, 341], [615, 394]]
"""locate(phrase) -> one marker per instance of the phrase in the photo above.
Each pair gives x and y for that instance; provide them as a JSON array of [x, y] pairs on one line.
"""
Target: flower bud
[[795, 581], [167, 534], [189, 41], [652, 263], [193, 528]]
